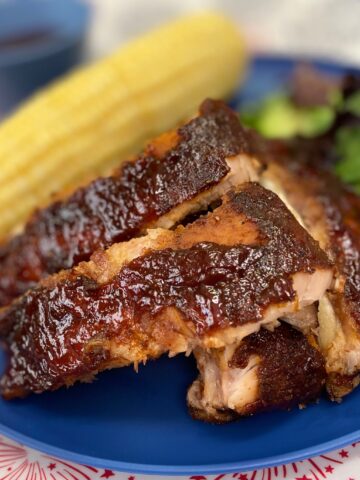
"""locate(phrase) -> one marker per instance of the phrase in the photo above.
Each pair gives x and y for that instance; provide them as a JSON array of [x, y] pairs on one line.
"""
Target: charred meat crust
[[331, 212], [291, 372], [342, 210], [339, 211], [53, 328], [278, 225], [215, 416], [174, 168]]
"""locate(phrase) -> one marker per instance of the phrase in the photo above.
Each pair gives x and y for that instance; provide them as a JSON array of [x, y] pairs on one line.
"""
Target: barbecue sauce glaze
[[290, 371], [213, 286], [119, 207]]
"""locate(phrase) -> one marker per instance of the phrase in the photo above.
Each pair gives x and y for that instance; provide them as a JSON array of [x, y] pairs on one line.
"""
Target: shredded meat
[[268, 370]]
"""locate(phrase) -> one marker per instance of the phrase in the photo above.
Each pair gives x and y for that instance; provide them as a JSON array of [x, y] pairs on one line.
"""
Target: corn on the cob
[[86, 123]]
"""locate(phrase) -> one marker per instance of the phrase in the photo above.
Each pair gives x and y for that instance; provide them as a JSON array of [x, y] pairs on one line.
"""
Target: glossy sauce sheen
[[116, 208], [341, 208], [213, 286], [343, 216], [291, 371]]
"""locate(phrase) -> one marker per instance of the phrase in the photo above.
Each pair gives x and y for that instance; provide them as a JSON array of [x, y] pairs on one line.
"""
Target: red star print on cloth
[[107, 473], [344, 453], [43, 467]]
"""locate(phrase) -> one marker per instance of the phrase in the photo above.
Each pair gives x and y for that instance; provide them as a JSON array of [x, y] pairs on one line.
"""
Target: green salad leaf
[[348, 150], [352, 104], [277, 116]]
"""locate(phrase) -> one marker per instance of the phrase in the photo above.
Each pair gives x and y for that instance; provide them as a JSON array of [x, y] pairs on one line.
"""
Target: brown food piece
[[339, 385], [178, 173], [204, 285], [310, 88], [268, 370], [331, 213]]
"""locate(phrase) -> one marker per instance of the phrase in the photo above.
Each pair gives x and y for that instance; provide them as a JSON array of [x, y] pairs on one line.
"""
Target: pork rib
[[206, 285], [268, 370], [180, 172], [331, 213]]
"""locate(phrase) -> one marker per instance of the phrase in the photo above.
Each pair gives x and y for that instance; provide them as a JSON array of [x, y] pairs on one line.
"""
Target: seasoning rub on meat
[[179, 172], [206, 285]]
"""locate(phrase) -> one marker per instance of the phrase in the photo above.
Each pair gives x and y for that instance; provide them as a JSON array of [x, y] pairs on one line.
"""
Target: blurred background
[[327, 28], [32, 55]]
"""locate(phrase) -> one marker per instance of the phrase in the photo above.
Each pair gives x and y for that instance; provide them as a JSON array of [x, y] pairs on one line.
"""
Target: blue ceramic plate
[[139, 422]]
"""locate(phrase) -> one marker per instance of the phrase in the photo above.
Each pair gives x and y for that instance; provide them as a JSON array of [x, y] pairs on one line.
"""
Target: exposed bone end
[[209, 414]]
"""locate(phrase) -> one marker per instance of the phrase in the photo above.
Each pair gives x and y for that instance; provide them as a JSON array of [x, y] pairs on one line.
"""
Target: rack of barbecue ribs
[[206, 285], [264, 370], [331, 214], [181, 251], [180, 172]]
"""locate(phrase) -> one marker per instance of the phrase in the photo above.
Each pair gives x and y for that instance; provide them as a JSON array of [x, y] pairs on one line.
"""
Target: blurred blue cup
[[39, 40]]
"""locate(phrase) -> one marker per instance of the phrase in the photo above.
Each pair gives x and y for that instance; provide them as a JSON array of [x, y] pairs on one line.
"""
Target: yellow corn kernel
[[89, 121]]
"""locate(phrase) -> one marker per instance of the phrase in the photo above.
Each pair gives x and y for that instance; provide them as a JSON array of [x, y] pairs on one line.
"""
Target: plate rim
[[162, 470], [207, 469]]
